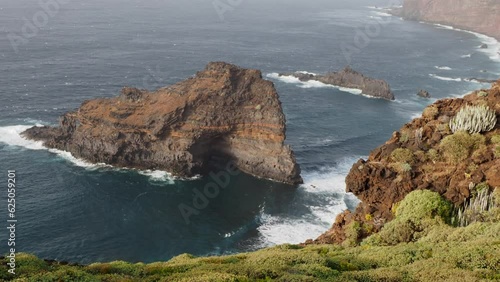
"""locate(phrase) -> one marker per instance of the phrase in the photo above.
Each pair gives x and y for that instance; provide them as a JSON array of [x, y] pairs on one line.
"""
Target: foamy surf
[[158, 176], [306, 72], [312, 83], [381, 14], [329, 184], [493, 48], [445, 78], [442, 68], [11, 135]]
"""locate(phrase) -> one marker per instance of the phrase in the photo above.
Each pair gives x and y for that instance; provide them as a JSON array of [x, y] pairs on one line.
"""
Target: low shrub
[[352, 232], [482, 94], [419, 210], [433, 155], [458, 146], [430, 112], [402, 155], [495, 139]]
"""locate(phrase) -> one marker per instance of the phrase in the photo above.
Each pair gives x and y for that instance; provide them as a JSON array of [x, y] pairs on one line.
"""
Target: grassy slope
[[445, 254]]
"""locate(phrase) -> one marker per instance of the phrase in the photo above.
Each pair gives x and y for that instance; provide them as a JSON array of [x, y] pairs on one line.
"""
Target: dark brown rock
[[424, 94], [224, 113], [379, 185], [350, 79]]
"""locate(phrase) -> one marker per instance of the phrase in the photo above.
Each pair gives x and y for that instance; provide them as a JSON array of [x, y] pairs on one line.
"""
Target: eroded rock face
[[379, 184], [225, 113], [482, 16], [351, 79]]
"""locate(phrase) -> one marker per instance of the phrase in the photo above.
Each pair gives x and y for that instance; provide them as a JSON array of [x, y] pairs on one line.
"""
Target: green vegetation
[[352, 233], [474, 119], [433, 155], [424, 248], [430, 112], [482, 94], [414, 215], [459, 146], [405, 137], [401, 160], [495, 139], [402, 155]]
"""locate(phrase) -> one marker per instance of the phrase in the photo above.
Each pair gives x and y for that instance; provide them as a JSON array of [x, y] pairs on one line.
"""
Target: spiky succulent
[[474, 119]]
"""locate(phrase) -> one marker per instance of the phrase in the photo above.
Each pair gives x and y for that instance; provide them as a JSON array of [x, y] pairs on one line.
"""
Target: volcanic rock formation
[[423, 93], [351, 79], [224, 113], [481, 16], [383, 180]]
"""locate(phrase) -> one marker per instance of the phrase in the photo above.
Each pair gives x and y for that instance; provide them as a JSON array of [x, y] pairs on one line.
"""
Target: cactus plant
[[474, 119]]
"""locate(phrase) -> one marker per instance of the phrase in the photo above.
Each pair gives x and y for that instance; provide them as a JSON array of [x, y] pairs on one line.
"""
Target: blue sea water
[[74, 211]]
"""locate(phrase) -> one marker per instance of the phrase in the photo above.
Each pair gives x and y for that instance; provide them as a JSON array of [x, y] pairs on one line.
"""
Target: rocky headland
[[349, 78], [423, 155], [481, 16], [224, 113], [403, 185]]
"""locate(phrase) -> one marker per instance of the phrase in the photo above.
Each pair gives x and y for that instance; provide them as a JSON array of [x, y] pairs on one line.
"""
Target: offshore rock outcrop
[[350, 79], [380, 183], [224, 113], [424, 94], [481, 16]]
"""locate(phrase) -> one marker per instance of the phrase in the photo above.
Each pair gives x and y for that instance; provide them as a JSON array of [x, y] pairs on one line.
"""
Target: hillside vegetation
[[418, 245], [430, 211]]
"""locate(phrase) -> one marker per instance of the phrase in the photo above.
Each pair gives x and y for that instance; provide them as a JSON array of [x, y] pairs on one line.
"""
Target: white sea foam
[[306, 72], [381, 14], [442, 68], [284, 78], [374, 8], [329, 184], [493, 50], [445, 78], [11, 135], [442, 26], [312, 83], [158, 176], [473, 80], [416, 115]]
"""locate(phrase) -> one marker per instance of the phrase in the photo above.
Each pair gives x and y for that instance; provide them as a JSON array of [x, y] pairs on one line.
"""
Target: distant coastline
[[482, 17], [437, 14]]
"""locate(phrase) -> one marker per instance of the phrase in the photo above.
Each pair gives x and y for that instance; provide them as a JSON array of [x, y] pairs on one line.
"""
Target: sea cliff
[[481, 16], [410, 199], [223, 114], [425, 154]]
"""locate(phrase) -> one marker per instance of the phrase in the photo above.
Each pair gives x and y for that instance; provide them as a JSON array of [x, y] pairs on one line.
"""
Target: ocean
[[52, 59]]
